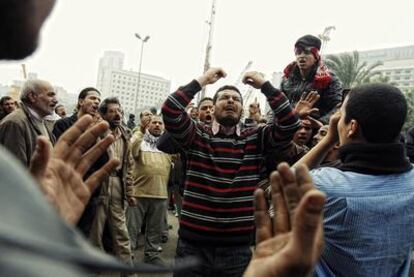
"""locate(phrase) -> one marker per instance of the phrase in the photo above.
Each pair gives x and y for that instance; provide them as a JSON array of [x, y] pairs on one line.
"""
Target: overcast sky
[[264, 31]]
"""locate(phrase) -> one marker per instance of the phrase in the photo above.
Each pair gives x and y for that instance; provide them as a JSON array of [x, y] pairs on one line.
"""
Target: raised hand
[[305, 106], [332, 136], [59, 171], [291, 243], [211, 76], [315, 124], [254, 110], [254, 79], [145, 121]]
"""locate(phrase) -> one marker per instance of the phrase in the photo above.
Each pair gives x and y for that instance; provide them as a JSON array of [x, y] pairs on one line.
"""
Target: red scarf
[[322, 77]]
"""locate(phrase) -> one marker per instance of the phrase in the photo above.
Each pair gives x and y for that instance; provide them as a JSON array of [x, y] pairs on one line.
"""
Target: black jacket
[[63, 124]]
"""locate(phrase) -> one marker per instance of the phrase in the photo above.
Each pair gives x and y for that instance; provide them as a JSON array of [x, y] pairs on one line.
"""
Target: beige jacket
[[150, 170]]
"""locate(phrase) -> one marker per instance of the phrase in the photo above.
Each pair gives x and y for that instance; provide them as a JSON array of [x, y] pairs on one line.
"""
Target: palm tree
[[350, 70], [409, 95]]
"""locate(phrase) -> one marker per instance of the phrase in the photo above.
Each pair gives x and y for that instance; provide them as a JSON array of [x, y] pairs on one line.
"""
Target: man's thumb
[[40, 158]]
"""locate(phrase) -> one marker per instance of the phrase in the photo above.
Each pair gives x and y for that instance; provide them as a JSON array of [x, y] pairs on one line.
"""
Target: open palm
[[291, 243], [60, 170]]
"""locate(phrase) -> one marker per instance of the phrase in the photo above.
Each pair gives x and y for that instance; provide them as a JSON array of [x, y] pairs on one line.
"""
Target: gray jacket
[[18, 134]]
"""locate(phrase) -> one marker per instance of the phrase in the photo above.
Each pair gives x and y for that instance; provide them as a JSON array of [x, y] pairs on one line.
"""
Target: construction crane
[[209, 45], [24, 71], [325, 37]]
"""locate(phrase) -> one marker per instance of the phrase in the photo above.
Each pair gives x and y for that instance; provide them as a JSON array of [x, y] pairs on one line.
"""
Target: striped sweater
[[223, 171]]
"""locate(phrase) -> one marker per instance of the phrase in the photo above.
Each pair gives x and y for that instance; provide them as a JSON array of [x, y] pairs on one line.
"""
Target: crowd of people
[[321, 185]]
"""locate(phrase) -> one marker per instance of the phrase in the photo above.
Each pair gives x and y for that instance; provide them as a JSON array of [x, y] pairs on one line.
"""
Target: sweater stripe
[[223, 172], [216, 230], [205, 208], [218, 199], [209, 188]]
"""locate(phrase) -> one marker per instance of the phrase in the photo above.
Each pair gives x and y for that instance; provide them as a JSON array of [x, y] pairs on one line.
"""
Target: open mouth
[[208, 118], [303, 139]]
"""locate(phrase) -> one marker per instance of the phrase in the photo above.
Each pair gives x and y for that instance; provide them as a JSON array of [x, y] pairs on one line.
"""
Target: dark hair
[[380, 110], [4, 99], [58, 106], [205, 99], [226, 88], [84, 93], [153, 110], [103, 108]]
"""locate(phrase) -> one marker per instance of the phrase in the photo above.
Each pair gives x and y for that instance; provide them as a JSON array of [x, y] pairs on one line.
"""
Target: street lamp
[[143, 40]]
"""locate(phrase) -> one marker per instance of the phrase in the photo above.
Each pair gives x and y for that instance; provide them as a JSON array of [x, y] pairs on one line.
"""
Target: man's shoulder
[[67, 121], [18, 118], [126, 132], [330, 179], [336, 181]]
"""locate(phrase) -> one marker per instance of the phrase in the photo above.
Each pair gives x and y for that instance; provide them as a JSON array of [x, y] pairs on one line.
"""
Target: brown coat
[[18, 134], [123, 172]]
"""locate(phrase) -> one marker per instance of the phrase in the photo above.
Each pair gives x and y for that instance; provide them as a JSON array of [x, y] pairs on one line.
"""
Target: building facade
[[111, 60], [398, 64], [123, 84]]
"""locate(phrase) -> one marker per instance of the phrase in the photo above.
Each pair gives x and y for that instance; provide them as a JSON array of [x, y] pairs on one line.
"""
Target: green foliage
[[409, 95], [351, 71]]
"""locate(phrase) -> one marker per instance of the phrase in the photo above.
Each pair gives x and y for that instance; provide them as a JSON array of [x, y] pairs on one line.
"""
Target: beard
[[113, 125], [228, 121], [155, 133]]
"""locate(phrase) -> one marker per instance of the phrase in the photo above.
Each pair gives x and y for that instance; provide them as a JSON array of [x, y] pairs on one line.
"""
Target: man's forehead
[[156, 118], [206, 103], [92, 93], [229, 92], [113, 106]]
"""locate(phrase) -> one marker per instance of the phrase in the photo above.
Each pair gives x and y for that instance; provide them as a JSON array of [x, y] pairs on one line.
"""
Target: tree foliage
[[409, 95], [350, 70]]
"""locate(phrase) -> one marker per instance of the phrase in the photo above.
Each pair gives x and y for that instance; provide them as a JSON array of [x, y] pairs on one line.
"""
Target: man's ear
[[32, 96], [354, 129]]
